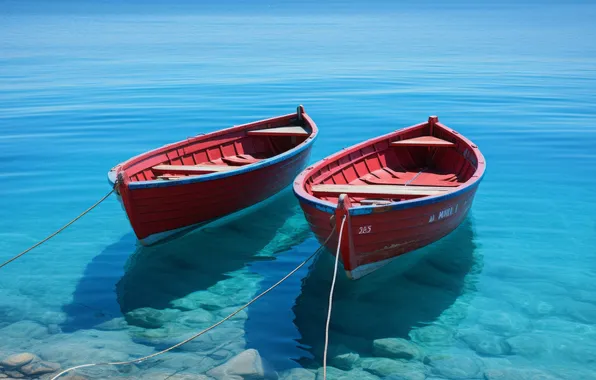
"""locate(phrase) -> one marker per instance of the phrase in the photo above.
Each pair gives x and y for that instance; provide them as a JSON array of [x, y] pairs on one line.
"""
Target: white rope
[[341, 230], [59, 230], [139, 360]]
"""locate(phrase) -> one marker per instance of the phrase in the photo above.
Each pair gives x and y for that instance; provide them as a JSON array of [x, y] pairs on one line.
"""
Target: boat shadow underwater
[[389, 303], [155, 276]]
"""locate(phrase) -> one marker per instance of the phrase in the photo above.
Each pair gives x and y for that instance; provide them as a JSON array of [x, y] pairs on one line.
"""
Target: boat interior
[[218, 152], [420, 162]]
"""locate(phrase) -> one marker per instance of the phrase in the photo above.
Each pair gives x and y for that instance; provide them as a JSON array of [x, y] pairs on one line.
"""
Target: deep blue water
[[85, 86]]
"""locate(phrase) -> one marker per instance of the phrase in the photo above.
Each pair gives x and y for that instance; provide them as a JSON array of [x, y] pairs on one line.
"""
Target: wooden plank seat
[[381, 191], [290, 130], [168, 177], [427, 141], [190, 169], [431, 179], [374, 202], [241, 159]]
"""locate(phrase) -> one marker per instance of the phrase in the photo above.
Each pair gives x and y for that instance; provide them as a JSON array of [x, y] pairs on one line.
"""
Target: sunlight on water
[[508, 295]]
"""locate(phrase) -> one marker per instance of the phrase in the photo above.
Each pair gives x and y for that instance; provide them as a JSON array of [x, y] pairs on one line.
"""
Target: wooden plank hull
[[397, 193], [199, 180], [157, 213], [378, 238]]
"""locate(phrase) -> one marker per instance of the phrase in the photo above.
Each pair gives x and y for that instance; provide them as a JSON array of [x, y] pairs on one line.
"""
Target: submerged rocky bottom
[[223, 354], [454, 315]]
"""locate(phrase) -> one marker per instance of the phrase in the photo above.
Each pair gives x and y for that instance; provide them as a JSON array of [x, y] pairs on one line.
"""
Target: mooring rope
[[57, 232], [341, 230], [139, 360]]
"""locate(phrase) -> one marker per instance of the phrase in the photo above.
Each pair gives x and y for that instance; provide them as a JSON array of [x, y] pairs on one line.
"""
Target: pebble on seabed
[[247, 364], [337, 374], [485, 343], [25, 366], [383, 367], [17, 360], [395, 348], [297, 374], [433, 335], [455, 366], [345, 361], [516, 374]]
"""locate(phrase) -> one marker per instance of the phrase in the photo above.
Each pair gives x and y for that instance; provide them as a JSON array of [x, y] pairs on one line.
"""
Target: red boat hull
[[158, 209], [392, 233], [362, 174], [154, 211]]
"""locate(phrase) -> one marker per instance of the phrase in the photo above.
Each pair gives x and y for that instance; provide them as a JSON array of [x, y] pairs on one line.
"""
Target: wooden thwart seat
[[191, 169], [241, 159], [169, 177], [291, 130], [429, 141], [374, 202], [383, 191], [427, 179]]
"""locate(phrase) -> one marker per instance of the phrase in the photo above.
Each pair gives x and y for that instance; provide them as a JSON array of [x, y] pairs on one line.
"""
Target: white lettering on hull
[[446, 213], [364, 230]]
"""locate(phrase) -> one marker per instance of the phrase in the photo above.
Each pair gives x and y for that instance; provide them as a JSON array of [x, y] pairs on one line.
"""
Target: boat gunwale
[[113, 173], [329, 207]]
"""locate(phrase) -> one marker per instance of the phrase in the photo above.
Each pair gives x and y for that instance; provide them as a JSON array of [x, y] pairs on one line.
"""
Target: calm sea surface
[[509, 295]]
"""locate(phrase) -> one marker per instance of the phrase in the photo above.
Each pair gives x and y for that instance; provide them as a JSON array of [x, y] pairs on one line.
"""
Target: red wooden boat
[[201, 179], [398, 192]]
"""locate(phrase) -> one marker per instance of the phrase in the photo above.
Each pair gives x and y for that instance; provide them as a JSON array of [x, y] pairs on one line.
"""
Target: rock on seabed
[[17, 360], [297, 374], [169, 376], [504, 323], [25, 366], [516, 374], [337, 374], [485, 343], [246, 365], [39, 368], [23, 330], [395, 348], [383, 367], [150, 318], [433, 335], [455, 366]]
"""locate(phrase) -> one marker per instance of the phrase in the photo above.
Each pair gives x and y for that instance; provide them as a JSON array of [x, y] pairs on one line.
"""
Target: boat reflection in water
[[156, 276], [389, 302]]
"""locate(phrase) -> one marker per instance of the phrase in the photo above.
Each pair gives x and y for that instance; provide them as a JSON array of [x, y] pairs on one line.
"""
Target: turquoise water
[[509, 295]]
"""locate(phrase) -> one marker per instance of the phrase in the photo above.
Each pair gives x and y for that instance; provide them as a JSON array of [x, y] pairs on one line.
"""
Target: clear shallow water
[[512, 288]]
